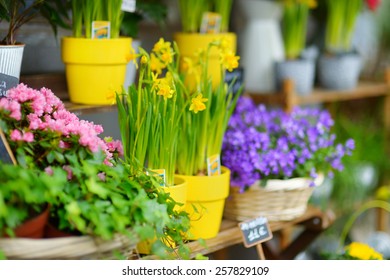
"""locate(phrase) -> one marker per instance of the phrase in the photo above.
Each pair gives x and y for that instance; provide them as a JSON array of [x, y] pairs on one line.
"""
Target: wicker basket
[[279, 200], [62, 248]]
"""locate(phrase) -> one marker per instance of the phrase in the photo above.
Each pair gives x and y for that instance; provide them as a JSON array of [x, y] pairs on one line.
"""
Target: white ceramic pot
[[261, 43], [10, 64]]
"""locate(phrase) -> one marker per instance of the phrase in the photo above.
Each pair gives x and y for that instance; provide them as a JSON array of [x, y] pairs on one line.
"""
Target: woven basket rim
[[72, 247], [288, 184]]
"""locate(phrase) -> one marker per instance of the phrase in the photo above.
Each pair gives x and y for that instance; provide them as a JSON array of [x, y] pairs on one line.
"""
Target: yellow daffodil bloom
[[155, 64], [161, 46], [197, 103], [167, 56], [229, 60], [165, 90], [362, 251], [144, 60]]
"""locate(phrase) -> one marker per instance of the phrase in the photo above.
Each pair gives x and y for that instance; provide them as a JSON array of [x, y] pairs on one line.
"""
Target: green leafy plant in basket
[[99, 195]]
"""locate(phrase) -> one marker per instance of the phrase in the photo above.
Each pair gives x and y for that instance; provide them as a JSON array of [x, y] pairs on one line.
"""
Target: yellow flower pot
[[95, 68], [207, 195], [179, 193], [190, 43]]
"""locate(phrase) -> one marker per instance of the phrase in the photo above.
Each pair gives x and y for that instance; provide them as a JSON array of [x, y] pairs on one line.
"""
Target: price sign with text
[[255, 231]]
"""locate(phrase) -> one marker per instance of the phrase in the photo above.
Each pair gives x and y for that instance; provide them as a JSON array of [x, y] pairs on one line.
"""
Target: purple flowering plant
[[263, 143]]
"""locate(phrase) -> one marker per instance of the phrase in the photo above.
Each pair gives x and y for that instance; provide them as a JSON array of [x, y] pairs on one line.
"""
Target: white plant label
[[128, 6]]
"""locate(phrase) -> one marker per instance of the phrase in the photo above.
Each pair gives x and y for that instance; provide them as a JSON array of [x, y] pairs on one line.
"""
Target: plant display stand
[[314, 222]]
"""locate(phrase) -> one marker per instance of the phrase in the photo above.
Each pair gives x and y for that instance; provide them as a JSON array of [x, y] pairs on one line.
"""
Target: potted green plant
[[149, 114], [99, 194], [194, 14], [294, 29], [202, 128], [24, 201], [96, 56], [17, 13], [340, 65]]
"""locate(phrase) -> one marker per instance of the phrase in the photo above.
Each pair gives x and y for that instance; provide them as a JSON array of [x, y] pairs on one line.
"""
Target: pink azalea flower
[[16, 135]]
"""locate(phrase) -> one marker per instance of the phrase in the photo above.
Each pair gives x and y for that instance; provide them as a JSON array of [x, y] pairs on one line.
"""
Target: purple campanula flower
[[264, 143]]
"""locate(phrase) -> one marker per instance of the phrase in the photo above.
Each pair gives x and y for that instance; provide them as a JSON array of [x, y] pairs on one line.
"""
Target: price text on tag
[[255, 231]]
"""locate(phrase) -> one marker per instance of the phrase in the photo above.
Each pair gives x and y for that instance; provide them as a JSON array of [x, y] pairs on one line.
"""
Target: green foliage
[[17, 13], [294, 23], [84, 12], [340, 24], [192, 12], [370, 148], [25, 191]]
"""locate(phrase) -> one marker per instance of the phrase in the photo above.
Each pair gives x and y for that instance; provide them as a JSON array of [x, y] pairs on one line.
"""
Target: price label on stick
[[255, 231]]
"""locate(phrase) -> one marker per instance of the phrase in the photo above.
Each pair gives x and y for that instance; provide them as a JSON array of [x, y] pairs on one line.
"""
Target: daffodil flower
[[161, 46], [155, 64], [197, 103], [229, 60]]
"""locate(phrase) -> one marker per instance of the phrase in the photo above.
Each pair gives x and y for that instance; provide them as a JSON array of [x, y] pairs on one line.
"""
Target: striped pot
[[10, 64]]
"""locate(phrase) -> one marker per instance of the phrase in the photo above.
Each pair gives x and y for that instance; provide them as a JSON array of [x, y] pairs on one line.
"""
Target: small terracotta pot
[[52, 231], [34, 227]]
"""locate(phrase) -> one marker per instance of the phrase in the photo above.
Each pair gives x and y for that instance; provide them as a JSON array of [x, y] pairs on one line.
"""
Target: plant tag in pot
[[211, 23], [161, 177], [101, 29], [214, 165], [128, 6]]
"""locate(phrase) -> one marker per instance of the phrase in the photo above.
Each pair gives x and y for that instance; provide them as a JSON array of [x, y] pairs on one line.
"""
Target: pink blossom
[[16, 135], [35, 121], [49, 170], [28, 137], [63, 145], [102, 176], [115, 146], [68, 169]]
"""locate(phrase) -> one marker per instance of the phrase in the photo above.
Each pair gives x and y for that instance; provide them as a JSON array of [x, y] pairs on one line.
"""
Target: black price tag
[[6, 155], [7, 82], [237, 75], [255, 231]]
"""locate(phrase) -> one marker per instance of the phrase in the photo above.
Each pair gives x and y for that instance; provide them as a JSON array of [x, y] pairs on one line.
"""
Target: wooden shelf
[[313, 220], [288, 98]]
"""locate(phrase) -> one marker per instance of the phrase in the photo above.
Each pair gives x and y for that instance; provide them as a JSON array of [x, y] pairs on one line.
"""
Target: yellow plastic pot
[[190, 43], [95, 68], [207, 195], [179, 193]]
